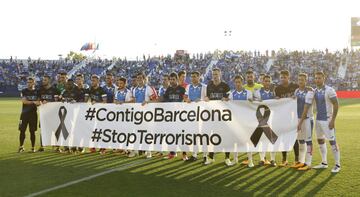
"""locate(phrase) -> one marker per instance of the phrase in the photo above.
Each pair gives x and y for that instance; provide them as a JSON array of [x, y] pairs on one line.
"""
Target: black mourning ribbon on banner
[[263, 126], [62, 127]]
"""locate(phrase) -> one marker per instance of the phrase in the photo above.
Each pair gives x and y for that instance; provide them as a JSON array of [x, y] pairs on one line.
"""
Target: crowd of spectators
[[342, 67]]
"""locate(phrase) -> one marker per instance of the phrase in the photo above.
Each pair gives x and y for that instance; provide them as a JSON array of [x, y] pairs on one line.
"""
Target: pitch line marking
[[120, 168]]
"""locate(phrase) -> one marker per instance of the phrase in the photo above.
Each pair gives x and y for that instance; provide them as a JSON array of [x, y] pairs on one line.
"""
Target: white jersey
[[196, 92], [123, 95], [241, 95], [162, 91], [145, 93], [323, 99], [263, 94], [304, 97]]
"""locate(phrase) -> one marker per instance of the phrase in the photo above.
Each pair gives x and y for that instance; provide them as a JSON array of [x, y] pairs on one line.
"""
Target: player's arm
[[257, 96], [206, 98], [150, 96], [303, 116], [203, 93], [154, 97], [162, 97], [335, 103], [118, 102], [27, 102], [159, 94], [104, 98], [37, 102], [250, 96], [86, 99], [226, 95], [277, 93], [73, 100], [186, 99], [225, 99], [165, 96], [309, 99], [103, 95], [86, 95], [186, 95], [129, 98], [183, 94], [42, 102], [92, 100], [115, 99], [133, 95], [296, 87], [331, 94], [56, 98], [61, 98], [57, 95]]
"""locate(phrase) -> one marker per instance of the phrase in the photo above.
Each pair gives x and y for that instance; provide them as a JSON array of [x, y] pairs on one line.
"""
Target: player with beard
[[48, 93], [69, 95], [143, 94], [97, 95], [174, 93], [327, 107], [252, 87], [286, 89], [82, 96], [122, 95]]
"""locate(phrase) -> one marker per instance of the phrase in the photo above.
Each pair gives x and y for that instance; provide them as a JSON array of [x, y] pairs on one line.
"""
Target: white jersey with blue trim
[[305, 96], [110, 92], [263, 94], [324, 106], [241, 95], [144, 93], [162, 91], [196, 92], [123, 95]]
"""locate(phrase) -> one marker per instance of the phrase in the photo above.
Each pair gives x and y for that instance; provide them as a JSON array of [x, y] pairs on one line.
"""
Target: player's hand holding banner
[[215, 126]]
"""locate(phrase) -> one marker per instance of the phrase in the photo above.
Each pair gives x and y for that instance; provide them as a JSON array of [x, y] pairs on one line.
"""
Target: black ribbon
[[263, 126], [62, 127]]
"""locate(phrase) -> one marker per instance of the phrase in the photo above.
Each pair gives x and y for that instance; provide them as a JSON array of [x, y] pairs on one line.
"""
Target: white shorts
[[306, 131], [323, 131]]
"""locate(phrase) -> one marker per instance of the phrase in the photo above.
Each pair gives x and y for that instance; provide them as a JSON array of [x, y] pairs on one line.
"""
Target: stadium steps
[[268, 64], [343, 67], [77, 67], [111, 66], [209, 68]]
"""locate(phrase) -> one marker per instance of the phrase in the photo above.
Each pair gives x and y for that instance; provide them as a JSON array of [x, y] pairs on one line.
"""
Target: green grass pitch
[[27, 173]]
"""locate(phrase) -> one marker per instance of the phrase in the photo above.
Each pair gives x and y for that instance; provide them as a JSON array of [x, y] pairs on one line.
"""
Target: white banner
[[215, 126]]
